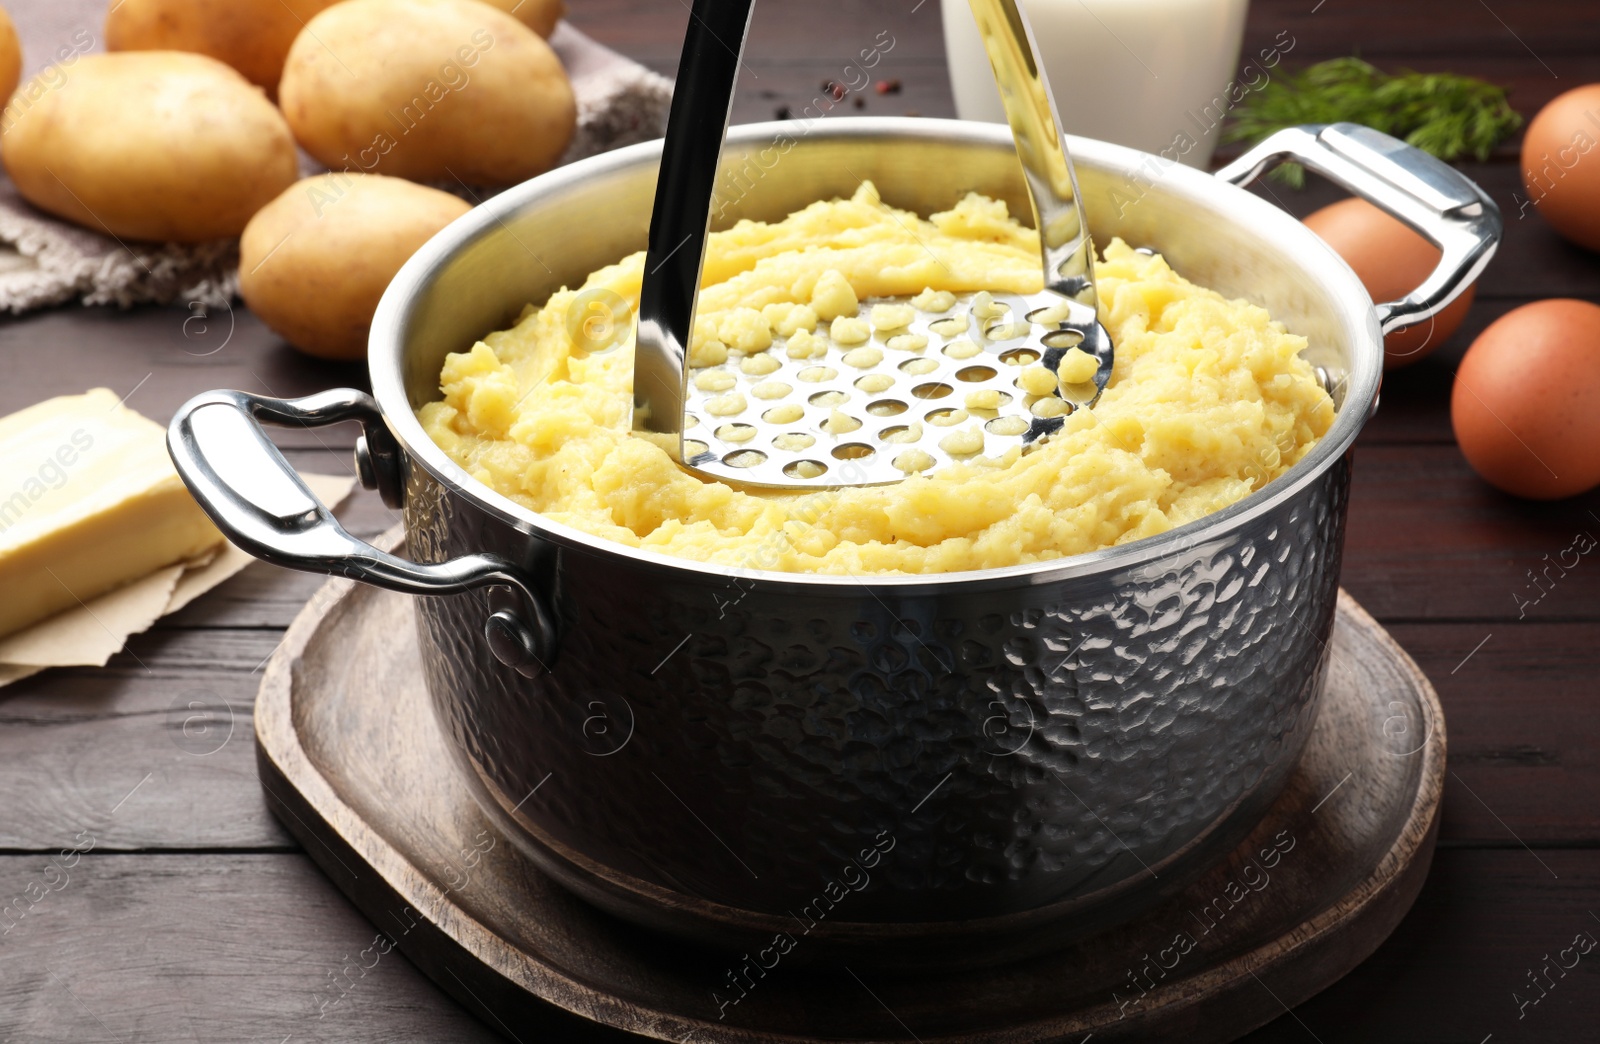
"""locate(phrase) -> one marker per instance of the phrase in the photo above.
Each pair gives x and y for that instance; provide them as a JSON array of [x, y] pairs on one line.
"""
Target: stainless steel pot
[[902, 769]]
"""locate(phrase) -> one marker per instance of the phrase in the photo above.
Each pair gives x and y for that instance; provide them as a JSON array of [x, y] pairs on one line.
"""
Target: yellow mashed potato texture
[[1209, 400]]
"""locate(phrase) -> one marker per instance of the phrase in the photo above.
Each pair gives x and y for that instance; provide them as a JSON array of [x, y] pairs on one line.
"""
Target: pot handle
[[1431, 196], [244, 483]]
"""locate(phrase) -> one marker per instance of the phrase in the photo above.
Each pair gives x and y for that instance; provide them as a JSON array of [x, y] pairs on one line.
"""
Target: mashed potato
[[1208, 401]]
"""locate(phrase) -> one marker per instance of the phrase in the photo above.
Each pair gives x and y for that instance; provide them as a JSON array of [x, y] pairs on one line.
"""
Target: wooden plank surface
[[214, 947], [160, 357], [244, 948], [196, 917]]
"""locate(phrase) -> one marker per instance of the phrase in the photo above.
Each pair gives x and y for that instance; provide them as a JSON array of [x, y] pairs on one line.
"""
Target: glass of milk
[[1157, 75]]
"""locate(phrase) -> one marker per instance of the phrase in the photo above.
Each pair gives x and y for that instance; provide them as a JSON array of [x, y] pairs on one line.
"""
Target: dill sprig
[[1450, 116]]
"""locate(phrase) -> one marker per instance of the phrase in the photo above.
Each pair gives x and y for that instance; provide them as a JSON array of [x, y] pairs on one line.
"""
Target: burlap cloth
[[46, 262]]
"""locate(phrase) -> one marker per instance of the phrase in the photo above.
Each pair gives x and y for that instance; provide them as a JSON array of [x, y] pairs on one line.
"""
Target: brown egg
[[1526, 403], [1391, 260], [1560, 167]]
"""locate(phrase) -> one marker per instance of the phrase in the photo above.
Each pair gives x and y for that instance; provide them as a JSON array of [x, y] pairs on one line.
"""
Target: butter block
[[89, 501]]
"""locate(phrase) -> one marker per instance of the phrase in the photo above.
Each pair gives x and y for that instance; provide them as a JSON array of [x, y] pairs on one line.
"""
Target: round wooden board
[[356, 768]]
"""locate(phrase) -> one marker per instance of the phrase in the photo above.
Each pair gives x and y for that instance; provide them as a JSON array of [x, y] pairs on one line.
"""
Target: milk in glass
[[1157, 75]]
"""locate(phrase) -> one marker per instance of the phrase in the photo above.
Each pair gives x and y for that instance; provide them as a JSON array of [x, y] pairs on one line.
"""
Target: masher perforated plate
[[948, 386]]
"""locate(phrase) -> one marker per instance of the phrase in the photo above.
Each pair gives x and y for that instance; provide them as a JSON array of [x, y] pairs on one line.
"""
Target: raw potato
[[253, 36], [539, 15], [157, 145], [314, 261], [10, 56], [431, 90]]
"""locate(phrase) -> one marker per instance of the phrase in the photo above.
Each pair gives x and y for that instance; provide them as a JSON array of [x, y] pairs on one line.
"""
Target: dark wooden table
[[195, 917]]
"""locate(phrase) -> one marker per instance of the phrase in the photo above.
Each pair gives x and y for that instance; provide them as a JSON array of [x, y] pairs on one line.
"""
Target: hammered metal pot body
[[906, 769], [708, 756]]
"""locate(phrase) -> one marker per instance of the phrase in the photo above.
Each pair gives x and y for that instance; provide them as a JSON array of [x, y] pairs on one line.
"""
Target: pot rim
[[385, 363]]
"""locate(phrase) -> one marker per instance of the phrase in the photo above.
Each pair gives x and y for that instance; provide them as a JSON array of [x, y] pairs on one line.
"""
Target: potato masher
[[958, 380]]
